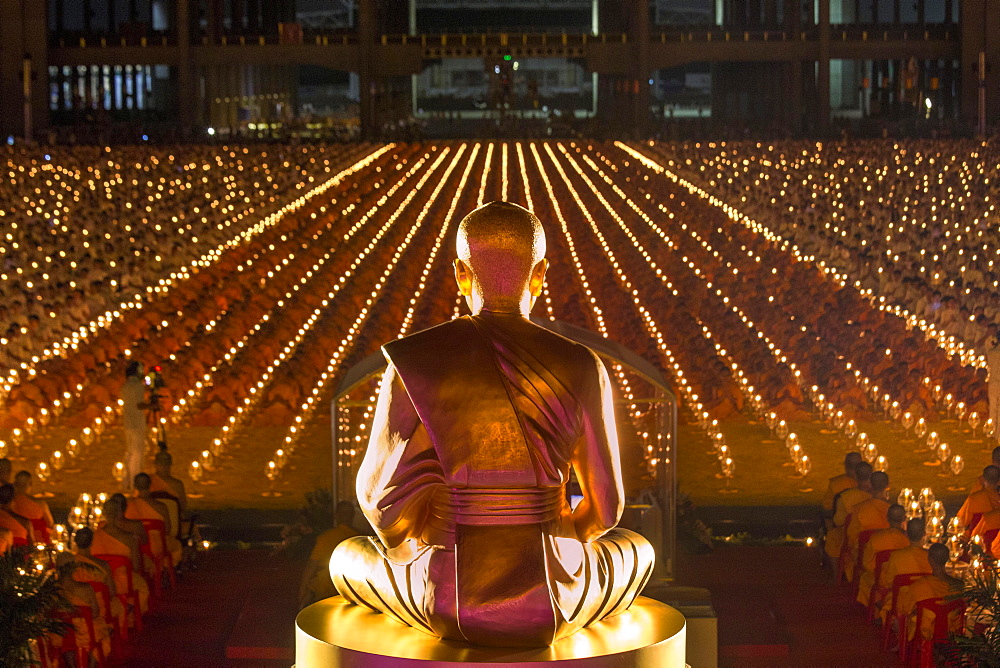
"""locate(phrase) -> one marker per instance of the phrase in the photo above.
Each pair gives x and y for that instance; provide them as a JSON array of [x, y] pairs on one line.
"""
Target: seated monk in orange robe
[[99, 571], [891, 538], [983, 501], [988, 522], [112, 538], [18, 525], [938, 586], [843, 506], [37, 512], [144, 507], [980, 482], [910, 559], [81, 595], [868, 515], [838, 484]]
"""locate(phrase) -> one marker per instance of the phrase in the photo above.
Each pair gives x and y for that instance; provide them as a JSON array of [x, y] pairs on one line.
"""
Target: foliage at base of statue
[[982, 606], [693, 534], [29, 601], [315, 517]]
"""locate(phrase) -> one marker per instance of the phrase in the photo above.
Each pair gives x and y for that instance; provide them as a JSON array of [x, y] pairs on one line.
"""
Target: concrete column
[[640, 73], [978, 36], [185, 82], [24, 107], [367, 28], [823, 79]]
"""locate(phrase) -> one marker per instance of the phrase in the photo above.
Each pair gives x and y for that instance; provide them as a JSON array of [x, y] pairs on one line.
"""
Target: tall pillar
[[24, 69], [823, 79], [185, 83], [640, 73], [978, 36], [367, 29]]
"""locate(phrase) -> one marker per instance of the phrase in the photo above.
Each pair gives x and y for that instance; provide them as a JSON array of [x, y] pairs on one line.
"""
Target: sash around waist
[[486, 506]]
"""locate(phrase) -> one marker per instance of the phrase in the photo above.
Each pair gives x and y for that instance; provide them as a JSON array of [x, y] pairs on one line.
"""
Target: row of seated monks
[[115, 567], [900, 580]]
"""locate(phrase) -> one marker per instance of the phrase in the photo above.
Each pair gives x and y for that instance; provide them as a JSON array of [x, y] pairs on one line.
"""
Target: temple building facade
[[379, 68]]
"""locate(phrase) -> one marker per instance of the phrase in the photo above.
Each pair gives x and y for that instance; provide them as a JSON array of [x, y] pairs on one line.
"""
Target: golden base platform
[[336, 634]]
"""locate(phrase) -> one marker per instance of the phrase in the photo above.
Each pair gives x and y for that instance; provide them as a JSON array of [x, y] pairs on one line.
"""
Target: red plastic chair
[[863, 539], [41, 530], [164, 561], [923, 648], [988, 539], [131, 596], [70, 644], [898, 583], [881, 558], [104, 598], [842, 571]]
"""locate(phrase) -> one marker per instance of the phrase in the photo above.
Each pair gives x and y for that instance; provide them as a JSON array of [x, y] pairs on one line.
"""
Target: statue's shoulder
[[447, 337]]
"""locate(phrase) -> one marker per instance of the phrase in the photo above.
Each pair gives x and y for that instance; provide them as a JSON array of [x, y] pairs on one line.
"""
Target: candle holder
[[728, 469], [272, 472], [956, 465], [195, 472]]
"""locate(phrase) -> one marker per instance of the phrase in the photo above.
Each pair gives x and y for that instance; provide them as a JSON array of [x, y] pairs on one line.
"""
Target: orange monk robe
[[18, 530], [140, 509], [905, 561], [978, 503], [845, 505], [102, 631], [890, 538], [36, 511], [98, 574], [6, 540], [868, 515], [105, 543], [837, 484], [988, 522], [929, 587]]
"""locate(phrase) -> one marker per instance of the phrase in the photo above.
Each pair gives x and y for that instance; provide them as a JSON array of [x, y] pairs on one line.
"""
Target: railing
[[504, 40], [87, 40], [883, 33]]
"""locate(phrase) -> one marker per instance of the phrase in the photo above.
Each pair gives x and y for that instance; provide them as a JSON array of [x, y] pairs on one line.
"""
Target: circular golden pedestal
[[334, 634]]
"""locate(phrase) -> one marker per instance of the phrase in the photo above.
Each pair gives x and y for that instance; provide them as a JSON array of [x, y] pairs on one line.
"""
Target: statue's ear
[[537, 280], [463, 276]]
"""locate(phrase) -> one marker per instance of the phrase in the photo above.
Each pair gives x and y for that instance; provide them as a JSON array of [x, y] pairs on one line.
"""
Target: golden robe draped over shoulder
[[476, 540]]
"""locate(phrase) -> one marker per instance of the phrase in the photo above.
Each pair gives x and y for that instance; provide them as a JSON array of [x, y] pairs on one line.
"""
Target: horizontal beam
[[401, 55]]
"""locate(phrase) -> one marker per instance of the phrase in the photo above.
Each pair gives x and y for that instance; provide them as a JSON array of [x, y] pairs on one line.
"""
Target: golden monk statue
[[479, 421]]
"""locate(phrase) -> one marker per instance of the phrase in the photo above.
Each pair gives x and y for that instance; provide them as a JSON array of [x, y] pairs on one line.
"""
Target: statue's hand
[[405, 553]]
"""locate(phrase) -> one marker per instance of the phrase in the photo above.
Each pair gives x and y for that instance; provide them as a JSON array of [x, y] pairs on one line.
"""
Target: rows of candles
[[525, 184], [800, 460], [218, 444], [918, 206], [99, 424], [660, 449], [352, 432], [244, 412], [312, 402], [892, 408], [927, 208], [245, 233], [655, 259], [139, 301], [737, 216], [827, 409]]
